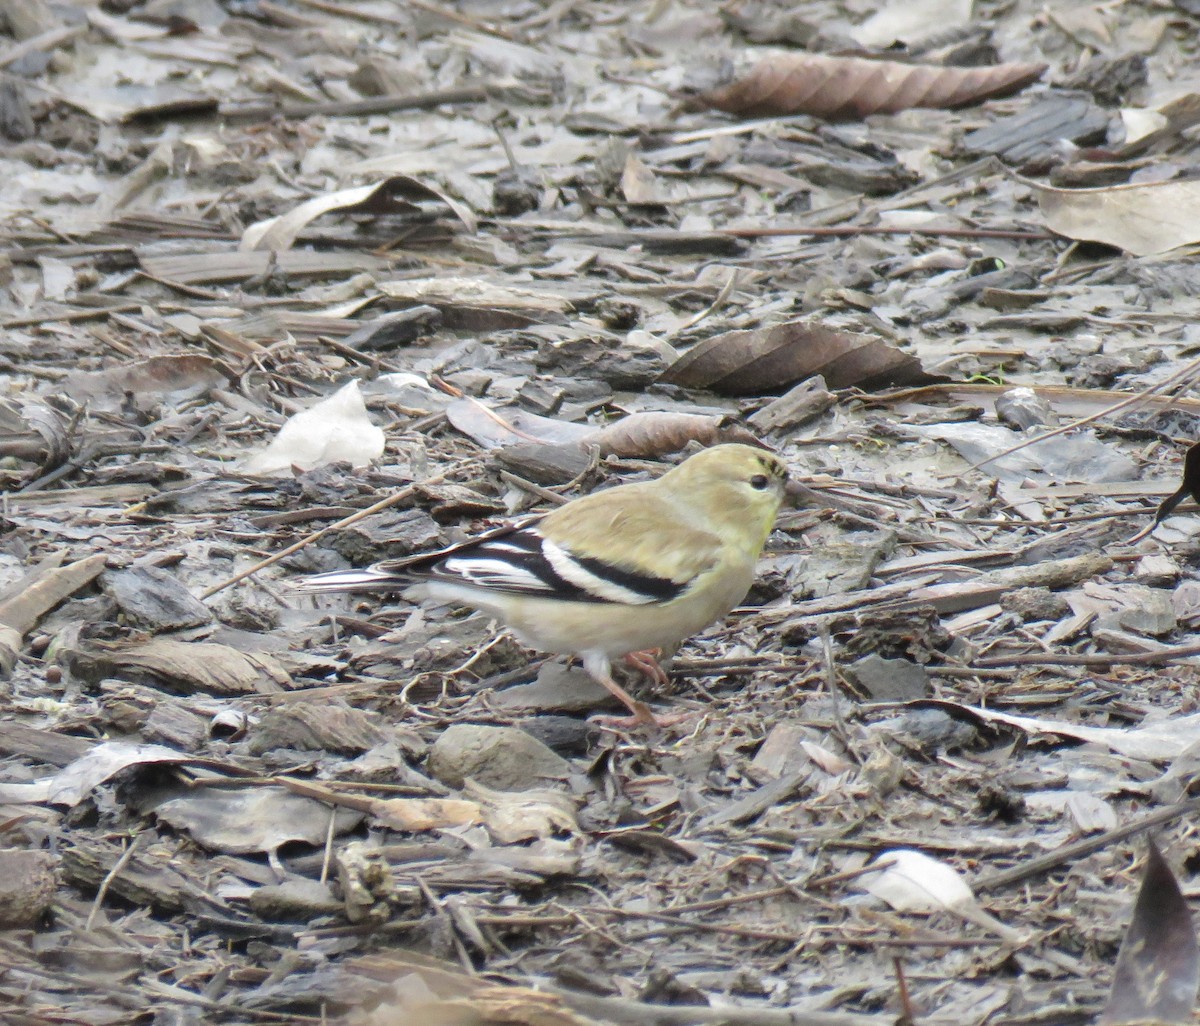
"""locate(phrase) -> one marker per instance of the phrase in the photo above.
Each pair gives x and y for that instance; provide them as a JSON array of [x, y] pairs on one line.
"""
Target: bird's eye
[[759, 481]]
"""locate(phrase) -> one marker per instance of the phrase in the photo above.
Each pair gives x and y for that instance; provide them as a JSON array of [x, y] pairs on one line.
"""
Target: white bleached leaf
[[337, 428], [1140, 123], [911, 881]]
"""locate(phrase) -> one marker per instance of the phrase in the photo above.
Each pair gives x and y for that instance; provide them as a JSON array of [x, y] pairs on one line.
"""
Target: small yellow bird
[[618, 573]]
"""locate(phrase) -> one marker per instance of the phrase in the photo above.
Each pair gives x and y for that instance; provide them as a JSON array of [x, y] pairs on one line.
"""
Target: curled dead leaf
[[642, 435], [852, 87], [769, 360], [40, 432], [1140, 219], [182, 375], [252, 819], [512, 817], [653, 433], [493, 428], [394, 195], [185, 666]]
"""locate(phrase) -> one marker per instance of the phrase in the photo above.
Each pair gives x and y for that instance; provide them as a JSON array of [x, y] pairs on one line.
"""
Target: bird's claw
[[648, 663]]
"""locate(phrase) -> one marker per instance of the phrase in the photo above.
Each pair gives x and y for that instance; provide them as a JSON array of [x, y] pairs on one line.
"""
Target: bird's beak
[[797, 494]]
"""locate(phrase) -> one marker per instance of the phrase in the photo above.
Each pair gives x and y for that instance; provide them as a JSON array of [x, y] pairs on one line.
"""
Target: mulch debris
[[290, 286]]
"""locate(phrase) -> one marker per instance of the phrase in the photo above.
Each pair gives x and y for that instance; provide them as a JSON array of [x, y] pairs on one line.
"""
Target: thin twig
[[399, 496], [831, 683], [353, 108], [532, 488], [1159, 657], [716, 304], [1079, 849], [102, 890], [1176, 378], [852, 231]]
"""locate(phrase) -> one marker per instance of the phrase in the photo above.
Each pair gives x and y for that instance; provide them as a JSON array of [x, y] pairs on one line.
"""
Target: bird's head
[[735, 484]]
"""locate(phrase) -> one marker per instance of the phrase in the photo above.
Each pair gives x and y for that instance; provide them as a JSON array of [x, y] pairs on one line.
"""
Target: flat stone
[[27, 884], [1023, 408], [837, 564], [558, 689], [781, 752], [567, 735], [1035, 604], [294, 901], [387, 535], [1156, 570], [1149, 611], [798, 405], [889, 680], [503, 758], [155, 599], [324, 727]]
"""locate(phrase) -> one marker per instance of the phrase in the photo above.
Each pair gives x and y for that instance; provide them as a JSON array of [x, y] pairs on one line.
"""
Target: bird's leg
[[600, 670], [648, 663], [642, 716]]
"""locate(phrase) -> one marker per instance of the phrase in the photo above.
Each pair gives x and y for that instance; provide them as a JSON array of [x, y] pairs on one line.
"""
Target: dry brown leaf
[[769, 360], [183, 665], [493, 428], [1140, 219], [75, 781], [512, 817], [39, 591], [425, 813], [419, 989], [43, 589], [1158, 968], [191, 373], [1156, 741], [652, 433], [638, 183], [252, 819], [390, 196], [853, 87]]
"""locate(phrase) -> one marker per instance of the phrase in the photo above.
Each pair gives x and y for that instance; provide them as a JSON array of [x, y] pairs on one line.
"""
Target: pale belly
[[608, 628]]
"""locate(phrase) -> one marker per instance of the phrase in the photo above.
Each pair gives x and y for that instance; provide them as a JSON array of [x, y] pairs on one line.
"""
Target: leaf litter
[[286, 287]]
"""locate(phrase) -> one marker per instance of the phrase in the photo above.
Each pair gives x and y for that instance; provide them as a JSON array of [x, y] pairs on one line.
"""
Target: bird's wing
[[397, 574], [527, 561], [629, 553]]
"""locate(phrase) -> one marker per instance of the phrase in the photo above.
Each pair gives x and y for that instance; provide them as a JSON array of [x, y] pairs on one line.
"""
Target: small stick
[[399, 496], [1079, 849], [1177, 378], [102, 890]]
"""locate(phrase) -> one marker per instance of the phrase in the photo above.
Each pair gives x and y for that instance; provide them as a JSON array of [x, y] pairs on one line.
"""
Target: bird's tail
[[353, 580]]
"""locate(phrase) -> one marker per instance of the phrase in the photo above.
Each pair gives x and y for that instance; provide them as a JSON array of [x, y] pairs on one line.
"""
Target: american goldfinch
[[618, 573]]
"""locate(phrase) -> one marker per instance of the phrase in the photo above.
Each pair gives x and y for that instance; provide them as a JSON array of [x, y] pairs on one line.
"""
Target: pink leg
[[598, 666], [647, 663], [642, 716]]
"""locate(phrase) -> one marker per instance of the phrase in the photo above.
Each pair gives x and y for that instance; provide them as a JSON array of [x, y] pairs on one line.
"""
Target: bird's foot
[[643, 717], [648, 663]]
